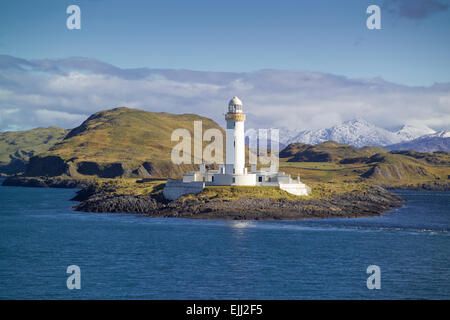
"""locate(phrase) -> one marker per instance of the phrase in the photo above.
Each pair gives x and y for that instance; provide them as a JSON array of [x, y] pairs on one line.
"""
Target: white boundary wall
[[299, 189], [176, 188]]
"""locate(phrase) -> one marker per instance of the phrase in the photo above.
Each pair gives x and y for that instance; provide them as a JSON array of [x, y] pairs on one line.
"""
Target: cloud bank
[[415, 9], [64, 92]]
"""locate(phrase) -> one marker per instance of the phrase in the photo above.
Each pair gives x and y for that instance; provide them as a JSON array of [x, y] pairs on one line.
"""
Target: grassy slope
[[393, 169], [126, 135], [320, 190], [329, 151], [23, 144], [130, 186], [139, 187], [402, 169]]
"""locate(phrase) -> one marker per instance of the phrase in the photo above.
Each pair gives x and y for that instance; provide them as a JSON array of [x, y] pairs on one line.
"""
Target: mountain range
[[439, 141], [360, 133], [131, 142]]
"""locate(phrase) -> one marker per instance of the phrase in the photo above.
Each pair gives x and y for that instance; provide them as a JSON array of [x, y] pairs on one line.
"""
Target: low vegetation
[[16, 147], [230, 193], [353, 165], [130, 186], [126, 135]]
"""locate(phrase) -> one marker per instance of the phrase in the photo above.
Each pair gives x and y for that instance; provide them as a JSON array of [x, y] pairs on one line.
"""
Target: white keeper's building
[[234, 172]]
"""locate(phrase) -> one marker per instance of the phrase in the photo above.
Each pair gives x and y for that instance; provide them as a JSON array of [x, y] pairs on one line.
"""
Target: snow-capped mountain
[[359, 133], [439, 134], [408, 132], [438, 141]]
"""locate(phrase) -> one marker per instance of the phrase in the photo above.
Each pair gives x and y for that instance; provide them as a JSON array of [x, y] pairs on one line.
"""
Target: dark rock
[[118, 204], [145, 170], [50, 166], [45, 182], [432, 186], [13, 167], [110, 170]]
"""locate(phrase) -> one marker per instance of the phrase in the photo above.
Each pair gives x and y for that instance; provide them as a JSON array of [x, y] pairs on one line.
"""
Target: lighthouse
[[233, 172], [235, 138]]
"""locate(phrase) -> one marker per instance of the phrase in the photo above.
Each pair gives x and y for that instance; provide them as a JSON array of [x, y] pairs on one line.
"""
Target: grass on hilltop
[[229, 193], [406, 169], [232, 193], [23, 144], [130, 186], [126, 135]]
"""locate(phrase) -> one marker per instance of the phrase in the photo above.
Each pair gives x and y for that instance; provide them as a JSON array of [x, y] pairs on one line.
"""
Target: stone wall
[[176, 188], [299, 189]]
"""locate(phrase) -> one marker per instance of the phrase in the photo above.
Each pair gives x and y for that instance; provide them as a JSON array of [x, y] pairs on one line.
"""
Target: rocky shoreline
[[373, 202], [430, 186], [45, 182]]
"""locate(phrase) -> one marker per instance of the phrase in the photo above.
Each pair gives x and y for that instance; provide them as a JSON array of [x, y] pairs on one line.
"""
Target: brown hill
[[117, 143], [329, 151], [16, 147]]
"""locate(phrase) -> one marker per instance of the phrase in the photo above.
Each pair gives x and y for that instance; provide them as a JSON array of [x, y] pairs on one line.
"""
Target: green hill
[[329, 151], [408, 168], [336, 163], [116, 143], [16, 147]]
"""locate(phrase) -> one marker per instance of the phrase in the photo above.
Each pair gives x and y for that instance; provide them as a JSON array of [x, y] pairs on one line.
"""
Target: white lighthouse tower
[[234, 172], [235, 142]]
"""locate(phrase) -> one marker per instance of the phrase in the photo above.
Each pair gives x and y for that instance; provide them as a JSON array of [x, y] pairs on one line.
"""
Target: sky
[[307, 64]]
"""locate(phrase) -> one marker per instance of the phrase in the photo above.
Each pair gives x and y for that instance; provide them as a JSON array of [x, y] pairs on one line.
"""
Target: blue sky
[[296, 64], [413, 47]]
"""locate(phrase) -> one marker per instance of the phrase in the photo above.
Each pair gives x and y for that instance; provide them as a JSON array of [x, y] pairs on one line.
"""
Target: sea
[[127, 256]]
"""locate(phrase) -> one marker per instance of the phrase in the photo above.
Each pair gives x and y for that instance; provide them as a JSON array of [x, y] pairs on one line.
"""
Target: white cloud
[[50, 117], [64, 92]]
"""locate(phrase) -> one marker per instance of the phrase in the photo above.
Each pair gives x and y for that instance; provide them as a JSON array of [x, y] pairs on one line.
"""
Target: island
[[119, 159]]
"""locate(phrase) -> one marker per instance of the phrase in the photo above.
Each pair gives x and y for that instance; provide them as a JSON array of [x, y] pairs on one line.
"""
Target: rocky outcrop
[[371, 203], [146, 170], [13, 167], [110, 170], [122, 203], [431, 186], [53, 166], [50, 166], [45, 182]]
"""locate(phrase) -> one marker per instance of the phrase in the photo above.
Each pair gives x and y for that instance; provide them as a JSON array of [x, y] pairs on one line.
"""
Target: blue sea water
[[123, 256]]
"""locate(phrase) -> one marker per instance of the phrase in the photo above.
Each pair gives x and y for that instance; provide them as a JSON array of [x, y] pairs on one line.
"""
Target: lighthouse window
[[234, 180]]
